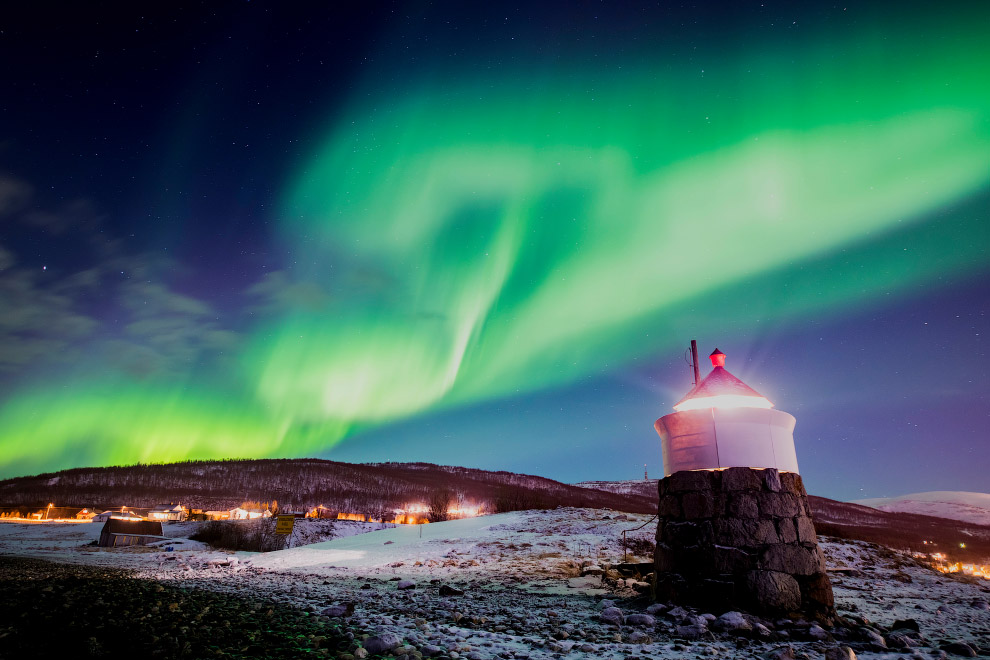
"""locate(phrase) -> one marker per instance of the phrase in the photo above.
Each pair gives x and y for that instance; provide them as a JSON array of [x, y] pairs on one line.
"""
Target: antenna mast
[[694, 362]]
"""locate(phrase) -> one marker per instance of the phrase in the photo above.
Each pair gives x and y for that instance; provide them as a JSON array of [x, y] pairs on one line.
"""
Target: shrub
[[252, 535]]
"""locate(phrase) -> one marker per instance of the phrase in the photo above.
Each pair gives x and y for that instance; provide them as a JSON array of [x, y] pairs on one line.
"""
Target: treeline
[[300, 484], [908, 531]]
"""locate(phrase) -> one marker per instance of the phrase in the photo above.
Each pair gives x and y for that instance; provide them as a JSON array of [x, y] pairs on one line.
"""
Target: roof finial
[[718, 358]]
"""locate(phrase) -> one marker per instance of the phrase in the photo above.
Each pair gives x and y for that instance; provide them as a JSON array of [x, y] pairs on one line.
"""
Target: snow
[[955, 505], [524, 595]]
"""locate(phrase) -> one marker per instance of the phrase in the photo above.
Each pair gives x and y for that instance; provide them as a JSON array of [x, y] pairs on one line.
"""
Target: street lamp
[[50, 505]]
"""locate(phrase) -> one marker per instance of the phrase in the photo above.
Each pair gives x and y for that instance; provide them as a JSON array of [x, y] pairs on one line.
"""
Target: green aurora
[[482, 238]]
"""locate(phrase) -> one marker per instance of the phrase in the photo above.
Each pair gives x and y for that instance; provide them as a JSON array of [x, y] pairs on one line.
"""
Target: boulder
[[405, 584], [733, 622], [611, 615], [840, 653], [382, 644]]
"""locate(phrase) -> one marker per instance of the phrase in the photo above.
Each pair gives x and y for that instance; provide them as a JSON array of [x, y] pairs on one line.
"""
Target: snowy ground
[[523, 593]]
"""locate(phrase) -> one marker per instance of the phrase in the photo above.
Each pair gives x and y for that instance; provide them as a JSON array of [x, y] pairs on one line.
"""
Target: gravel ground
[[53, 610]]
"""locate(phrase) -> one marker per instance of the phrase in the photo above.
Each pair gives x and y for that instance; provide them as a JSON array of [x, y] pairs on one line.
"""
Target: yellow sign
[[283, 525]]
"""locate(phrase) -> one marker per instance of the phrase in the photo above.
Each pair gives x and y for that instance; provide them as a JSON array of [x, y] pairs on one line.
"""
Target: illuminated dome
[[720, 389]]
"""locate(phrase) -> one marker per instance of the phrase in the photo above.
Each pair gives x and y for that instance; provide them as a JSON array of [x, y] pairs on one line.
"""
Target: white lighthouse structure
[[724, 423]]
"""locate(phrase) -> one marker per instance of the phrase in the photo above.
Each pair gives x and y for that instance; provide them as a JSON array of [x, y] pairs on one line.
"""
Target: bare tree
[[440, 501]]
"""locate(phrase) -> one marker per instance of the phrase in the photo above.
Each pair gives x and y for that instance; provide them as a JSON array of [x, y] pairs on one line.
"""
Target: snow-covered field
[[511, 586], [955, 505]]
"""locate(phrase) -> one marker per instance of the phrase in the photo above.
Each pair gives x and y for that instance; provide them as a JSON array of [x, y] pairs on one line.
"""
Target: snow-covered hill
[[955, 505], [642, 487]]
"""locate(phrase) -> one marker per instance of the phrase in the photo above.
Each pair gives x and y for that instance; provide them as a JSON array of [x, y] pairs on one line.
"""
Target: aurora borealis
[[484, 237]]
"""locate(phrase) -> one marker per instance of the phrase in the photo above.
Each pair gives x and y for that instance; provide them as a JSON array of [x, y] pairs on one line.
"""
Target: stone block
[[663, 558], [771, 479], [786, 530], [806, 530], [670, 506], [774, 591], [765, 532], [663, 486], [741, 478], [731, 560], [743, 505], [779, 505], [789, 483], [816, 594], [751, 533], [698, 505], [687, 534], [790, 559], [687, 481]]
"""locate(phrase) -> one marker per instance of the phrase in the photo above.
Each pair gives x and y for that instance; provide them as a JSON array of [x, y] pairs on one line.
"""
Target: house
[[217, 515], [170, 511], [86, 514], [117, 532], [249, 514]]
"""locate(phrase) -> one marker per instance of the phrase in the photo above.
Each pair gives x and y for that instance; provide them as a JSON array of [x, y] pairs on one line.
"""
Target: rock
[[360, 653], [405, 584], [638, 637], [431, 650], [959, 648], [657, 608], [761, 631], [592, 570], [690, 632], [781, 653], [446, 590], [945, 609], [640, 620], [677, 613], [381, 644], [818, 633], [338, 611], [874, 638], [840, 653], [980, 604], [611, 615], [732, 622]]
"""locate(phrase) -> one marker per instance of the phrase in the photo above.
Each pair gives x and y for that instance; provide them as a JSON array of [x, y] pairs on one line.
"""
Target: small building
[[118, 533], [168, 512], [86, 514], [217, 515]]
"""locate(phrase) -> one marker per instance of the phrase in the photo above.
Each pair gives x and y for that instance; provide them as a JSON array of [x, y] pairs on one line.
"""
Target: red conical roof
[[720, 389]]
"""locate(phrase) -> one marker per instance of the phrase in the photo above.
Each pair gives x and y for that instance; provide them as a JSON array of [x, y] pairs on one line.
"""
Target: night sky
[[484, 235]]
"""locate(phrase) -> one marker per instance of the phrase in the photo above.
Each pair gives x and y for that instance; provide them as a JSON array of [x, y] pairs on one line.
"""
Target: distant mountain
[[956, 505], [367, 488], [639, 487]]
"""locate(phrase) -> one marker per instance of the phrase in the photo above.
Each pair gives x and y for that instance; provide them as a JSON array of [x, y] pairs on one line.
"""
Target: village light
[[50, 505]]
